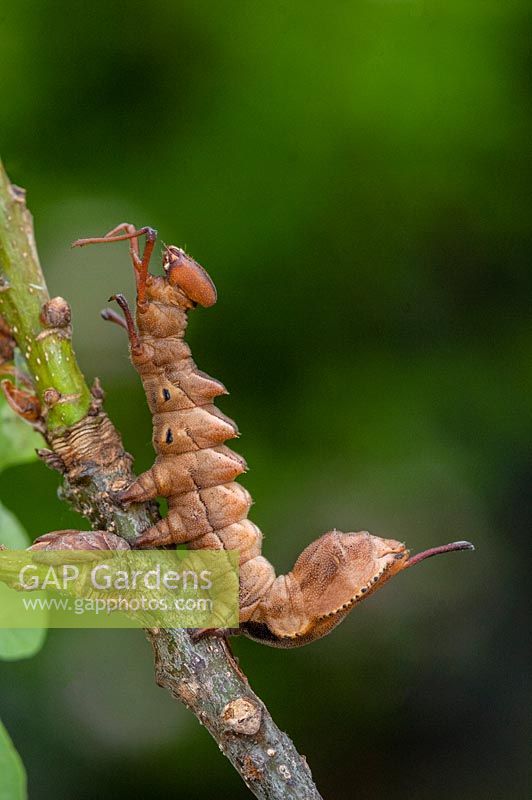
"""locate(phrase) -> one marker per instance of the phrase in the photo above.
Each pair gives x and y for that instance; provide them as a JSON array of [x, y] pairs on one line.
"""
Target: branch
[[86, 448], [41, 329]]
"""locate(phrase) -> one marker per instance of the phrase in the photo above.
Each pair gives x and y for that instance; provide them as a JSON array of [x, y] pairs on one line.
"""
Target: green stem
[[45, 343]]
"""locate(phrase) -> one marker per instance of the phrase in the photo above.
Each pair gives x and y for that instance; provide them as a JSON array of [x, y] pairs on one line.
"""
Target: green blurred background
[[356, 178]]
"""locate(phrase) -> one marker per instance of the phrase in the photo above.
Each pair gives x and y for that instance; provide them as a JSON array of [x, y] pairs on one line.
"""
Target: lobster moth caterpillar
[[196, 471]]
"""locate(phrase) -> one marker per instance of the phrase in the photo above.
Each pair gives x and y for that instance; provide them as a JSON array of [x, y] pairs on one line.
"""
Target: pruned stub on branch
[[95, 466], [197, 472]]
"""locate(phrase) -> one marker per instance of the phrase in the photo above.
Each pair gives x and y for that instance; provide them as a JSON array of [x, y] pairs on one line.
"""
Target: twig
[[41, 328], [87, 449]]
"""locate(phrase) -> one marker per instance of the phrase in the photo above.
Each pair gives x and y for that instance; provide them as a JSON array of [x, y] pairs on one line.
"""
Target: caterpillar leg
[[158, 481], [144, 488], [109, 315], [140, 265], [197, 634], [131, 233], [129, 322], [170, 530]]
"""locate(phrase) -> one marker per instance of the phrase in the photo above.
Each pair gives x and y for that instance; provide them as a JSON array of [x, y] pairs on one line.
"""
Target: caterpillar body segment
[[196, 471]]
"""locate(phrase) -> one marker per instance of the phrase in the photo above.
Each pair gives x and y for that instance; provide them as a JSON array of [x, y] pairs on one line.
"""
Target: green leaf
[[15, 643], [18, 440], [12, 772], [12, 534], [19, 643]]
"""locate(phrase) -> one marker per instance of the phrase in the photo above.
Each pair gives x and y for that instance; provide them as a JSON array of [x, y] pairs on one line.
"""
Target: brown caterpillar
[[196, 471]]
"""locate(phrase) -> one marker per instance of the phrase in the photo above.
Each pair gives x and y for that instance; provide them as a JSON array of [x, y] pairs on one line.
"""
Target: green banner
[[119, 589]]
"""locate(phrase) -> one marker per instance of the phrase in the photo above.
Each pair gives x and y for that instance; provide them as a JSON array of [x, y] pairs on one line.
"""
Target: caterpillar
[[196, 471]]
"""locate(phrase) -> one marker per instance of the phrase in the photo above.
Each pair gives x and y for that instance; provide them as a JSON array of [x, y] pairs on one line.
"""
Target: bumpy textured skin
[[196, 471]]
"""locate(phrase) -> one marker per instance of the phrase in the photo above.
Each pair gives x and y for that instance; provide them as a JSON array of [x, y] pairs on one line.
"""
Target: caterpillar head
[[183, 272]]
